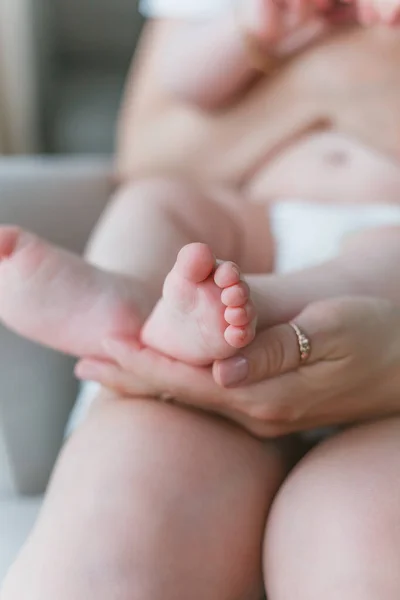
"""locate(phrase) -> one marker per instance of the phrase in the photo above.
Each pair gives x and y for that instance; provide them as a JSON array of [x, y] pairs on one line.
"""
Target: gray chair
[[86, 48], [61, 200]]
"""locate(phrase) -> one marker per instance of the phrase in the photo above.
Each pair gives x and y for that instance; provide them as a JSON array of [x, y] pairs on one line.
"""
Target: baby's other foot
[[54, 297], [205, 312]]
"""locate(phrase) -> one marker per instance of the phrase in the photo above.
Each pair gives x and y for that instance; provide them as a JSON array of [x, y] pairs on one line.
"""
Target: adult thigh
[[150, 501], [334, 529]]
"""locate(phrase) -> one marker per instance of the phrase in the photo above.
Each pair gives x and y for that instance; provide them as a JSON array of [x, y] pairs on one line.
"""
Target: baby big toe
[[8, 240]]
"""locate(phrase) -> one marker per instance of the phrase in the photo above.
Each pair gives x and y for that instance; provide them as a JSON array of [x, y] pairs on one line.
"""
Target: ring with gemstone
[[303, 341]]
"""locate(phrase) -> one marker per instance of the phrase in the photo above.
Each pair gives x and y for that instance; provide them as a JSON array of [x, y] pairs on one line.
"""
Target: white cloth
[[87, 394], [184, 9], [306, 234]]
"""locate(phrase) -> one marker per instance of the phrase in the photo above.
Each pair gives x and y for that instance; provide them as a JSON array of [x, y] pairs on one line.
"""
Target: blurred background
[[62, 70]]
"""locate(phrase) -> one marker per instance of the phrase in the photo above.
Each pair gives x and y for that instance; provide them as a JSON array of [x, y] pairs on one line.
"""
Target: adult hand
[[352, 374]]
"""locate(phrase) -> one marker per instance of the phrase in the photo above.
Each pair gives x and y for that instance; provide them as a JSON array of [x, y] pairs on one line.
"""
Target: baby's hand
[[282, 27], [374, 12]]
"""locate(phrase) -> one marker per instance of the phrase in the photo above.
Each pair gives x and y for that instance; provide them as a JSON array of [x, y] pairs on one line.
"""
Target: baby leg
[[365, 266], [334, 530], [151, 502], [57, 299], [205, 313]]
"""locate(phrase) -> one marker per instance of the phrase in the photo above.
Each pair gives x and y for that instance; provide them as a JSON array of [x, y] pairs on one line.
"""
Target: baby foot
[[205, 312], [55, 298]]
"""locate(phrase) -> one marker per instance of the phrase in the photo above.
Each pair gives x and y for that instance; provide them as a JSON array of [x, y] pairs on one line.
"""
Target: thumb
[[273, 352], [277, 350]]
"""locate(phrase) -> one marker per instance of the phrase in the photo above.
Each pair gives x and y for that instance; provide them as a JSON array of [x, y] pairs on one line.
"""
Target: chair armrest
[[61, 200]]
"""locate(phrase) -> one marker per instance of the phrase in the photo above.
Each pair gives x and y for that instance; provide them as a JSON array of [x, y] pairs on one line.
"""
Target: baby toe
[[195, 262], [235, 295], [239, 316], [239, 337], [227, 274], [9, 237]]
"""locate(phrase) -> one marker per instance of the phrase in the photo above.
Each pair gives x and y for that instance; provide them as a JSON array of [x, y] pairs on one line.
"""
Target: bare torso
[[326, 128]]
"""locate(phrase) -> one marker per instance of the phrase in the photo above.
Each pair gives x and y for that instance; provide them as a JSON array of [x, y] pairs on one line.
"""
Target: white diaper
[[309, 234], [306, 234], [87, 394]]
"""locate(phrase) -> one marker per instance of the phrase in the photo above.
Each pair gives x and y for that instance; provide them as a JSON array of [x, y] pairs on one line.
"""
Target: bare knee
[[177, 202], [146, 196], [235, 222], [334, 530], [160, 190], [157, 502], [166, 193]]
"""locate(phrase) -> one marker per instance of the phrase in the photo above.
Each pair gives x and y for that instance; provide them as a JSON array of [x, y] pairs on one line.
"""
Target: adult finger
[[278, 350], [187, 384], [111, 376]]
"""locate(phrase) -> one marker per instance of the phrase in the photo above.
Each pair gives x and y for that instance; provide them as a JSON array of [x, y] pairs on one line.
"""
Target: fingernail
[[236, 270], [233, 370]]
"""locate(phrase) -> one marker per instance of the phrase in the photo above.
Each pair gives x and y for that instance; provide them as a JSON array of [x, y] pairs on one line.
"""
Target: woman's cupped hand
[[352, 373]]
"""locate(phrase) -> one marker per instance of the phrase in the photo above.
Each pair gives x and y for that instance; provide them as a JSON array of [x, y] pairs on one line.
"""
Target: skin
[[350, 337], [84, 474], [363, 77], [198, 54]]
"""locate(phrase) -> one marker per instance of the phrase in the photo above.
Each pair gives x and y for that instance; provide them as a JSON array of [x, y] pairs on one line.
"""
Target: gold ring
[[303, 341]]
